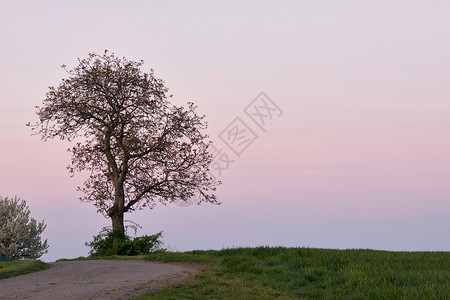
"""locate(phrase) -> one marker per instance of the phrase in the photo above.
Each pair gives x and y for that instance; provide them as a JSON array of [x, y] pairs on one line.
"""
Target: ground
[[95, 279]]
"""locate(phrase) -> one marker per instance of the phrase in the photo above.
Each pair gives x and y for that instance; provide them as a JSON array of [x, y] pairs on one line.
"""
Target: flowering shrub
[[20, 234]]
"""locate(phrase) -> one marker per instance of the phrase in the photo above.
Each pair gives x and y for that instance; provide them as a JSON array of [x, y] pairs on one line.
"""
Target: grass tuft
[[19, 267]]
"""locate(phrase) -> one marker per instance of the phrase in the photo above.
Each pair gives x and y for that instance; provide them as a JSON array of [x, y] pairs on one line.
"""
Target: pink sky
[[358, 159]]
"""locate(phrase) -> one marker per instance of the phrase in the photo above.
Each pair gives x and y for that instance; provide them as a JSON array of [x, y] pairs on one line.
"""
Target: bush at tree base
[[102, 244]]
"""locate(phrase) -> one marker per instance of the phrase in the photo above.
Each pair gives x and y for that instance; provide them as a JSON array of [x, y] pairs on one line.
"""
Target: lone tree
[[138, 148], [20, 234]]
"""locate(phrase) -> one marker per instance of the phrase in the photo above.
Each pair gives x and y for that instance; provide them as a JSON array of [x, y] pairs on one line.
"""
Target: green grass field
[[15, 268], [304, 273]]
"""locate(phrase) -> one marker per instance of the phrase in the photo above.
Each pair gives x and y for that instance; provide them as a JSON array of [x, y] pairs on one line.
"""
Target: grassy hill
[[305, 273]]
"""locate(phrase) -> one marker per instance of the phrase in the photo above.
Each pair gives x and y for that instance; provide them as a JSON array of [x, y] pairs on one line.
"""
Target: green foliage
[[20, 234], [305, 273], [102, 244], [15, 268]]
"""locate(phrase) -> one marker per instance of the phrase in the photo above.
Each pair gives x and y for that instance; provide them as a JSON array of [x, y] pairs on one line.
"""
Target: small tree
[[20, 234], [138, 148]]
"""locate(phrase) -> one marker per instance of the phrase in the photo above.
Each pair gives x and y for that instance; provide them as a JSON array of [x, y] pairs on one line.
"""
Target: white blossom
[[20, 234]]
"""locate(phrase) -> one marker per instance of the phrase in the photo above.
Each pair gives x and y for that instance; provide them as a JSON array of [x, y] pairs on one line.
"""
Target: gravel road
[[95, 279]]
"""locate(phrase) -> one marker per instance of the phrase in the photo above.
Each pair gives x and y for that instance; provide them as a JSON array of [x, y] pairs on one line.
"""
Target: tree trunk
[[116, 214], [118, 227]]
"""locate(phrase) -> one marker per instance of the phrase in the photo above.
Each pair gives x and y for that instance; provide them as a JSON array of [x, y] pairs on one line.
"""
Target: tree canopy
[[138, 148]]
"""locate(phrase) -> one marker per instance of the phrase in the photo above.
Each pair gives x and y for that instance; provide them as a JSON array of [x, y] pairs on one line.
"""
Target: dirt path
[[94, 279]]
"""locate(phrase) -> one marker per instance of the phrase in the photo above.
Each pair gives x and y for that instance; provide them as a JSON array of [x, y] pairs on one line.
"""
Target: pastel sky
[[359, 157]]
